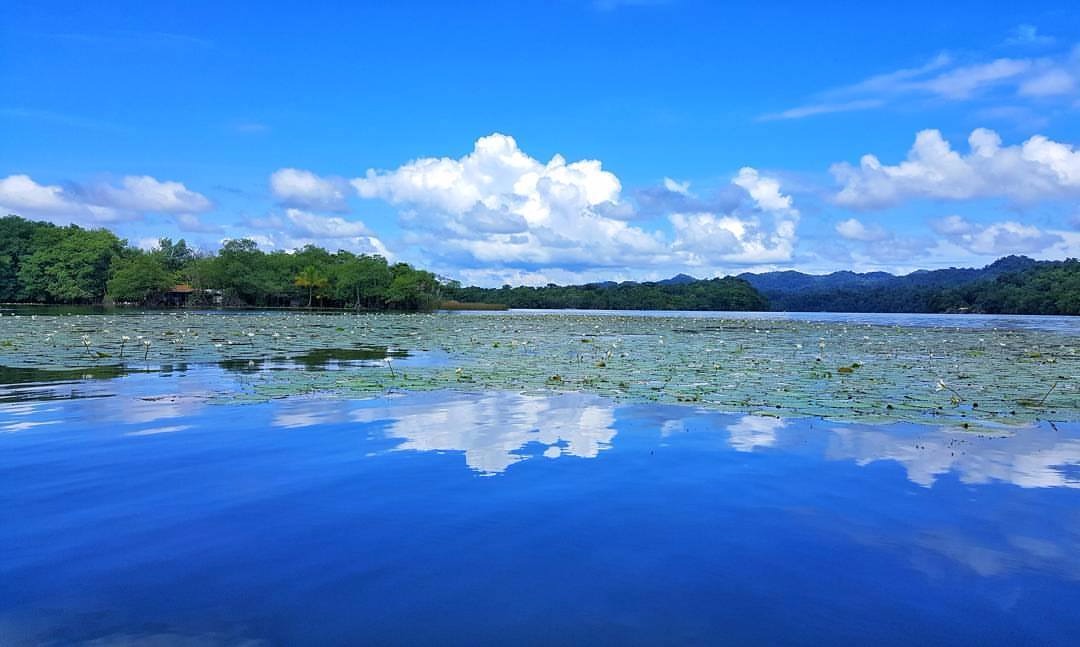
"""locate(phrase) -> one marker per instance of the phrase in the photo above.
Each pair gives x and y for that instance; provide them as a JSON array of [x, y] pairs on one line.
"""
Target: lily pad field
[[845, 370]]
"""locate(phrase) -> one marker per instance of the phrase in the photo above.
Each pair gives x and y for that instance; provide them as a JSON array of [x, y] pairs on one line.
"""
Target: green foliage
[[412, 289], [44, 263], [312, 279], [139, 277], [1047, 289], [362, 280], [716, 294], [66, 265], [174, 256]]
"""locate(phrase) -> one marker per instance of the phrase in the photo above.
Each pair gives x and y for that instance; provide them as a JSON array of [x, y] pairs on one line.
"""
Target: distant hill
[[1014, 284], [678, 279], [848, 291]]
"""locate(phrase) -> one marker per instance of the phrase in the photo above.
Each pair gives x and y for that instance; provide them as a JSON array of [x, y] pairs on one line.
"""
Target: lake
[[538, 478]]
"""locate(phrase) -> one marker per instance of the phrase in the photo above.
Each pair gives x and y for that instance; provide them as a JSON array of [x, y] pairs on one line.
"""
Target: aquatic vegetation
[[779, 367]]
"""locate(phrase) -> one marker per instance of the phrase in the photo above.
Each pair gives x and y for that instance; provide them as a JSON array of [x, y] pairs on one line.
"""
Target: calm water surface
[[133, 511]]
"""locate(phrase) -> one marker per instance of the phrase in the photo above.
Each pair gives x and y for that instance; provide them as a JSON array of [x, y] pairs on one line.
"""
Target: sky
[[561, 141]]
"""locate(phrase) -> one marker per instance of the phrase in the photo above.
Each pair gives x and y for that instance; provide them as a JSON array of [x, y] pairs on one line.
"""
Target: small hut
[[178, 294]]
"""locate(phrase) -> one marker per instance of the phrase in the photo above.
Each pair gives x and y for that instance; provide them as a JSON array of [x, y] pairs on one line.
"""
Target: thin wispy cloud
[[823, 109], [1029, 35], [944, 78]]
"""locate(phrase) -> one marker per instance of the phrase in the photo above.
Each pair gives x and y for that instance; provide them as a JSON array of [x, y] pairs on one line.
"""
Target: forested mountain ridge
[[1013, 284]]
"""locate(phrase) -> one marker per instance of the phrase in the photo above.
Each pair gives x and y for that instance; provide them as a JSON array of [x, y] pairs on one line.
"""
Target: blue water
[[133, 511]]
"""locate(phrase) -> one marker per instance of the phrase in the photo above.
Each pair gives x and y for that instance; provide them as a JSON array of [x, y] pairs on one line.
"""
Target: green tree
[[18, 240], [312, 279], [140, 277], [363, 280], [174, 256], [73, 268], [412, 289]]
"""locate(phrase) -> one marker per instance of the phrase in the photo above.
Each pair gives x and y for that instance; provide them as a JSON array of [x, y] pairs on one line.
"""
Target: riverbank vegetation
[[728, 293], [45, 263]]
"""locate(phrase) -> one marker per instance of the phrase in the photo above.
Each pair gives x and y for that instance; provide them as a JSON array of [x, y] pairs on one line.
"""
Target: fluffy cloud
[[499, 207], [764, 190], [496, 175], [300, 188], [21, 193], [761, 237], [995, 239], [1038, 168], [854, 229], [296, 228], [674, 186], [98, 203], [146, 194]]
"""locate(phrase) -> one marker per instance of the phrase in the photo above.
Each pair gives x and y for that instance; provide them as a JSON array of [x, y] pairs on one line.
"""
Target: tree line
[[1049, 288], [45, 263], [729, 293]]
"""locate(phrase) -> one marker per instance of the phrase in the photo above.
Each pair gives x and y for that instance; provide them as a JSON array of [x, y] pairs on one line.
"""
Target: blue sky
[[555, 141]]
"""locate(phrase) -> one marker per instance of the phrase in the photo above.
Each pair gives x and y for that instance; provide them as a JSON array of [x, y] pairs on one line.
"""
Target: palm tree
[[311, 279]]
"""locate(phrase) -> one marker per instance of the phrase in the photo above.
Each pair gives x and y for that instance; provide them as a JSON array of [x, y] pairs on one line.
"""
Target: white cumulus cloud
[[763, 237], [995, 239], [300, 188], [143, 193], [296, 228], [854, 229], [1038, 168], [20, 193], [498, 207], [99, 202]]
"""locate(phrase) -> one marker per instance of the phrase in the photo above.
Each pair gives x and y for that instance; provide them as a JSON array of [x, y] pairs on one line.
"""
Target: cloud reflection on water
[[491, 429], [1029, 458]]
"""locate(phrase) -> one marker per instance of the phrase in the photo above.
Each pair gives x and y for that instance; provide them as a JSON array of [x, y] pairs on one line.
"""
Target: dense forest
[[728, 293], [45, 263], [1047, 288], [1011, 285]]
